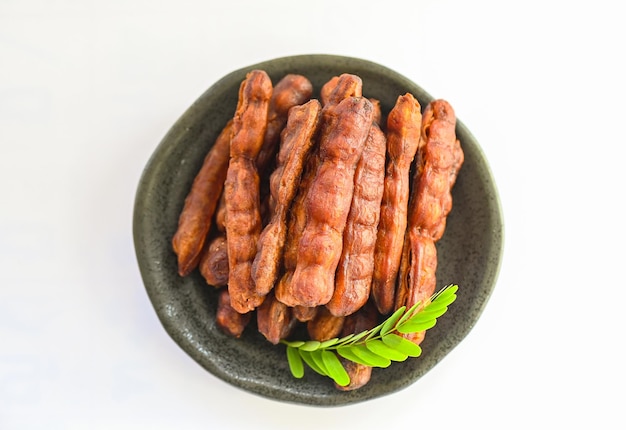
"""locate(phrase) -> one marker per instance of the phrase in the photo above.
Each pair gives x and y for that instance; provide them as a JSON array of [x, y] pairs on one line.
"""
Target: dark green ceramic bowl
[[469, 253]]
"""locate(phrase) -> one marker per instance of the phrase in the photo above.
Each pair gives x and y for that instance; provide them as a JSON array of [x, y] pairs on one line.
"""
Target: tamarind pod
[[297, 140], [363, 319], [296, 219], [214, 262], [402, 287], [304, 313], [195, 219], [419, 283], [340, 87], [431, 201], [275, 320], [220, 211], [220, 214], [327, 89], [266, 213], [292, 90], [250, 120], [403, 138], [324, 325], [335, 90], [227, 319], [214, 257], [243, 227], [359, 374], [439, 166], [295, 226], [378, 114], [354, 273], [241, 189], [328, 203]]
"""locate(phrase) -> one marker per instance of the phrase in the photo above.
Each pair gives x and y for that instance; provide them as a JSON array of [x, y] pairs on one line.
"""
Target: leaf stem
[[375, 347]]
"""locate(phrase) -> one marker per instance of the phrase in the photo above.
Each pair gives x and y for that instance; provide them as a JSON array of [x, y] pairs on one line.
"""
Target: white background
[[89, 88]]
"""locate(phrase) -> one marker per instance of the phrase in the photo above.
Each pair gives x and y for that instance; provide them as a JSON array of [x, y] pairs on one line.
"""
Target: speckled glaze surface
[[469, 252]]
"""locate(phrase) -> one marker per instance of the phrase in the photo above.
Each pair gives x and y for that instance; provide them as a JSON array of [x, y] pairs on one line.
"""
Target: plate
[[469, 253]]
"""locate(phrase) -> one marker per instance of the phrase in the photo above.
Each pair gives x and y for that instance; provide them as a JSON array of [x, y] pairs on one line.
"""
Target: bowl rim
[[145, 190]]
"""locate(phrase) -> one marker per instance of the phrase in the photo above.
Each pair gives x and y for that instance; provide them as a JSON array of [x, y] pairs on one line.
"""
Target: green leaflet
[[441, 302], [417, 326], [443, 299], [376, 347], [316, 356], [403, 345], [369, 357], [408, 314], [428, 313], [348, 353], [295, 362], [310, 345], [306, 356], [380, 348], [295, 343], [391, 322], [335, 368], [328, 343], [345, 339]]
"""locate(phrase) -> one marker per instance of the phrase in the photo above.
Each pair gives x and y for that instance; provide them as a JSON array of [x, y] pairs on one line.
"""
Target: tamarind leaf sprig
[[376, 347]]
